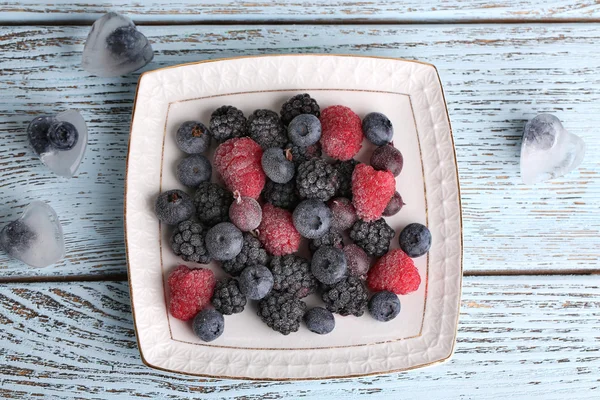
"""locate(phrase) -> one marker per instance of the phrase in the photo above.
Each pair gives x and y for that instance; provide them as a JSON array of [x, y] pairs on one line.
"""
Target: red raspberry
[[238, 162], [277, 232], [371, 191], [341, 132], [396, 272], [191, 291]]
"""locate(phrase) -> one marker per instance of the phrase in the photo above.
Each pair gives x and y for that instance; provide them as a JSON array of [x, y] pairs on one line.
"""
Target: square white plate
[[410, 94]]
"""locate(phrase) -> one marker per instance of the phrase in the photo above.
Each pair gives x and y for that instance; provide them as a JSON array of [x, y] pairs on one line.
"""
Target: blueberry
[[305, 130], [387, 158], [125, 41], [173, 207], [193, 170], [16, 238], [384, 306], [38, 133], [63, 135], [415, 240], [224, 241], [277, 165], [256, 281], [319, 320], [377, 128], [208, 324], [394, 205], [329, 265], [193, 137], [312, 218]]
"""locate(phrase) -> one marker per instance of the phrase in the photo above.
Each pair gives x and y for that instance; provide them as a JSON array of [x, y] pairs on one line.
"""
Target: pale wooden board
[[495, 76], [36, 11], [520, 337]]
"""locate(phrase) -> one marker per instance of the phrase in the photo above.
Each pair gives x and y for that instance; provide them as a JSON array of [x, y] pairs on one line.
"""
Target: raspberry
[[277, 232], [372, 191], [341, 132], [238, 162], [191, 291], [395, 272]]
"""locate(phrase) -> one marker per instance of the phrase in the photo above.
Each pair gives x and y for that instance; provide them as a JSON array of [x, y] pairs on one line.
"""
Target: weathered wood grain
[[186, 11], [524, 338], [495, 76]]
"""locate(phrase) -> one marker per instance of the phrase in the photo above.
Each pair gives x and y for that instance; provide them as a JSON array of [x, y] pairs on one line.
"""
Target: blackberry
[[373, 237], [331, 238], [347, 297], [299, 104], [266, 129], [282, 312], [252, 253], [212, 203], [187, 241], [345, 170], [301, 154], [291, 274], [227, 297], [316, 179], [227, 122], [282, 195]]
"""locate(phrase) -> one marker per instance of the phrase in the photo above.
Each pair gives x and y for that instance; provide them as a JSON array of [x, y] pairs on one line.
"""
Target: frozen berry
[[347, 297], [17, 238], [305, 130], [377, 128], [345, 170], [245, 213], [173, 207], [283, 195], [316, 179], [277, 232], [319, 320], [252, 253], [208, 324], [329, 265], [357, 260], [238, 162], [387, 158], [191, 291], [384, 306], [395, 272], [256, 281], [266, 128], [228, 298], [227, 122], [277, 165], [63, 135], [301, 154], [372, 191], [212, 203], [343, 212], [341, 132], [193, 137], [415, 240], [193, 170], [38, 133], [373, 237], [224, 241], [395, 204], [312, 218], [330, 238], [299, 104]]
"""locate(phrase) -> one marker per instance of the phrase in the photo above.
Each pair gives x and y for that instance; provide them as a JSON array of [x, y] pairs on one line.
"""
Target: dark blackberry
[[330, 238], [301, 154], [347, 297], [266, 129], [281, 195], [227, 297], [212, 203], [316, 179], [282, 312], [291, 274], [373, 237], [345, 170], [187, 242], [299, 104], [227, 122], [252, 253]]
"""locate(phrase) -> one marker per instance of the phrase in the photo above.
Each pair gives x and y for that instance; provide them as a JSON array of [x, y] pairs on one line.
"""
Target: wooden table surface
[[530, 317]]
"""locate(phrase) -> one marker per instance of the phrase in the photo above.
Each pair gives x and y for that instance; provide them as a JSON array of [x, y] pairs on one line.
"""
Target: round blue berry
[[319, 320], [193, 137], [277, 166], [384, 306], [193, 170], [312, 218], [415, 240], [224, 241], [173, 207], [256, 281], [329, 265], [208, 324], [63, 135], [377, 128], [305, 130]]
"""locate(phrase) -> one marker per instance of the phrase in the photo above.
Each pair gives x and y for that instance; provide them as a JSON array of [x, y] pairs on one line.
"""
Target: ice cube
[[115, 47], [60, 141], [548, 150], [36, 238]]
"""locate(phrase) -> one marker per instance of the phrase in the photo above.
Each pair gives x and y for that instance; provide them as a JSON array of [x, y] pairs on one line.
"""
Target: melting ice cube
[[36, 238], [548, 150], [60, 141], [115, 47]]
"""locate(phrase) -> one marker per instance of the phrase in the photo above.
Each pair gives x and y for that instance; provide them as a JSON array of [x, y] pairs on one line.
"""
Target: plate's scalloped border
[[374, 372]]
